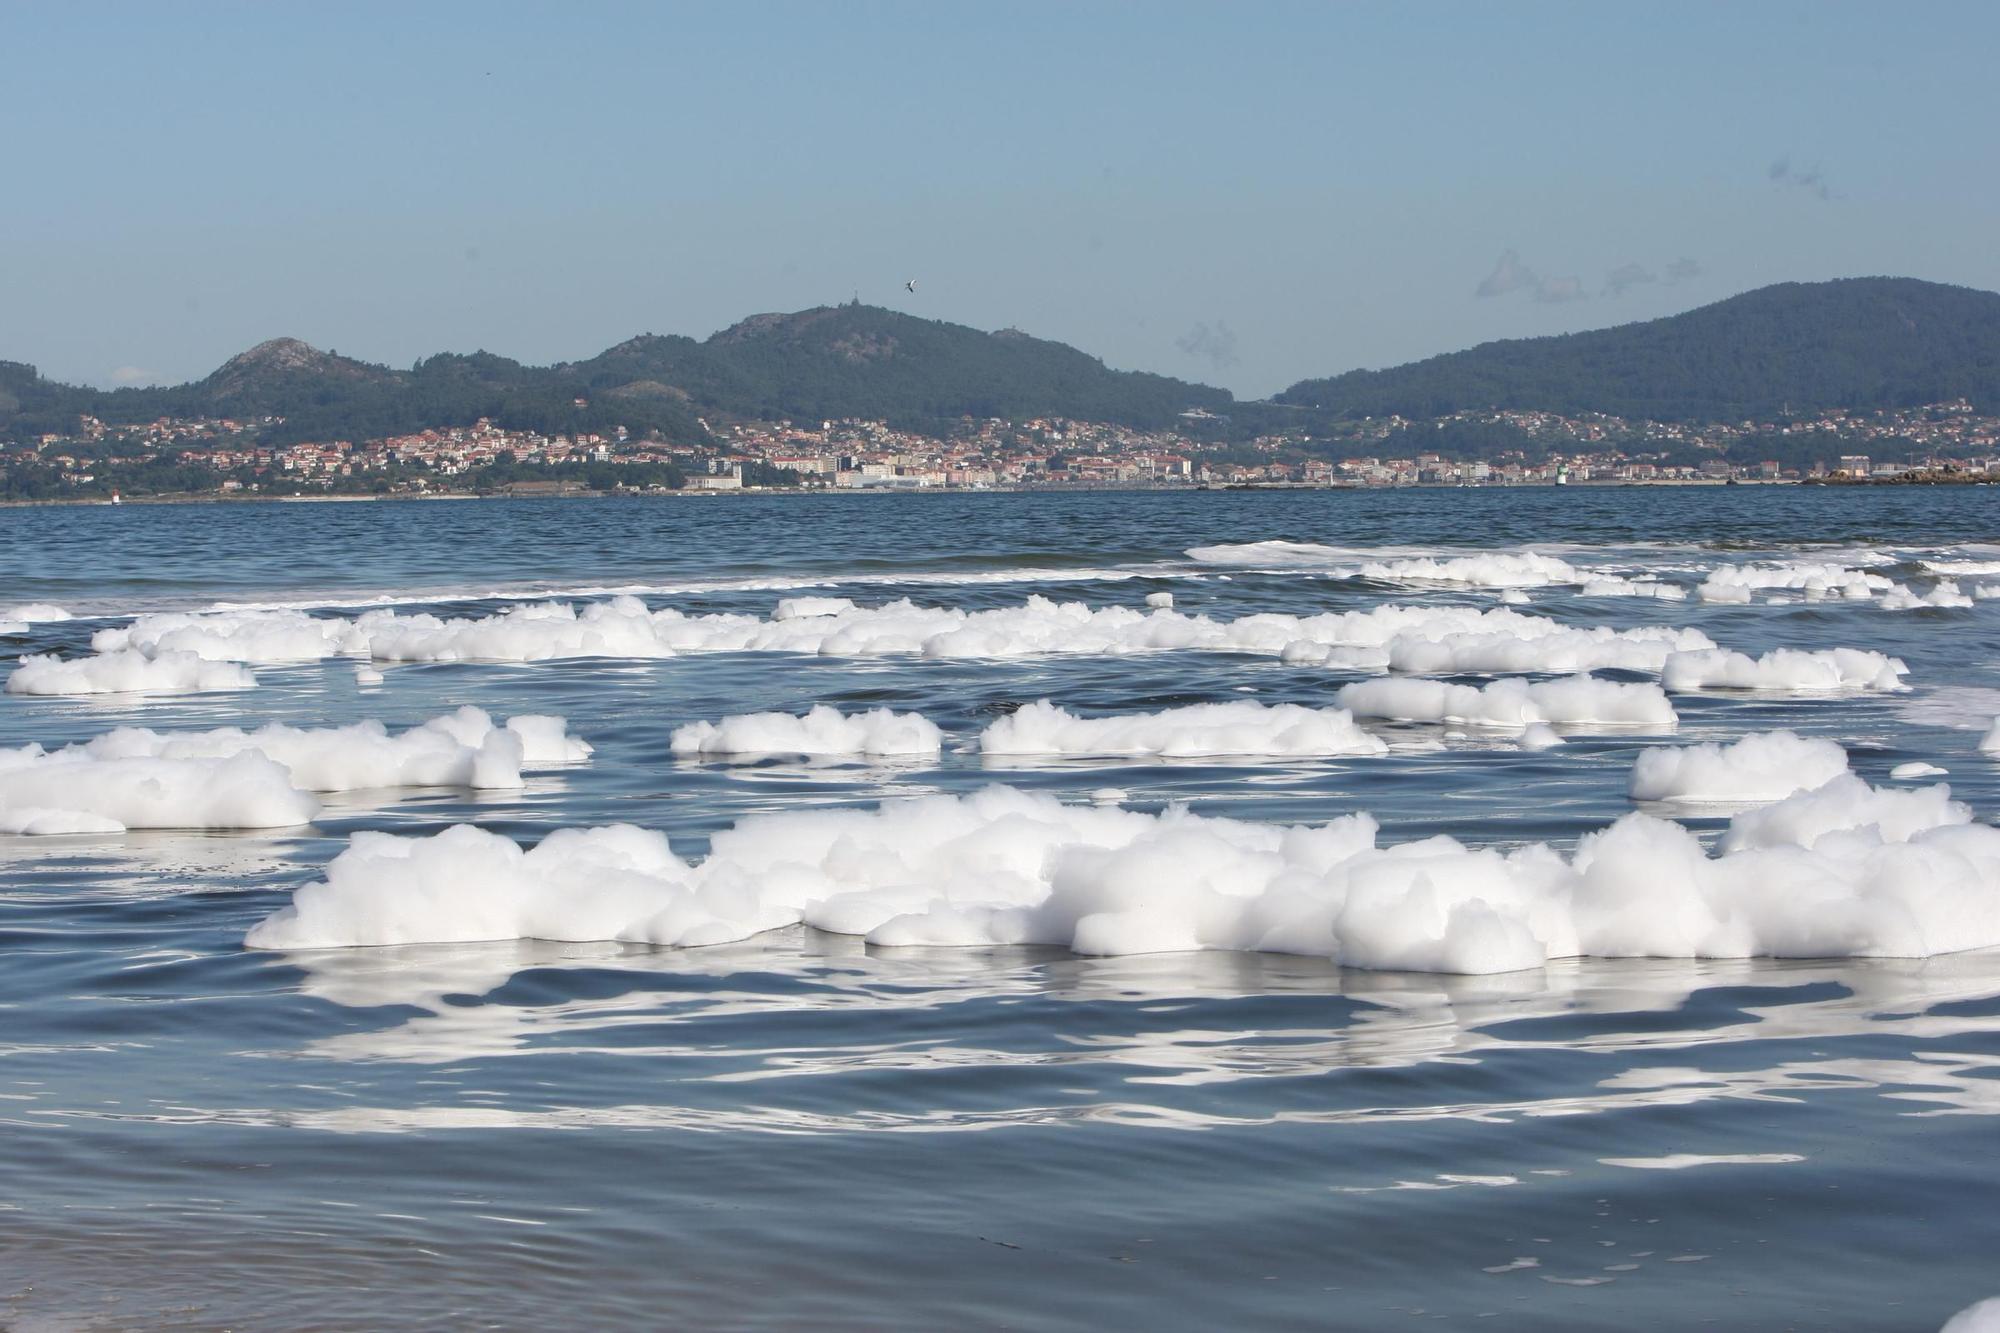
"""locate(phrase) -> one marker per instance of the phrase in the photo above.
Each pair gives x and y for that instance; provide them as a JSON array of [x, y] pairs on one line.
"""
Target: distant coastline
[[212, 498]]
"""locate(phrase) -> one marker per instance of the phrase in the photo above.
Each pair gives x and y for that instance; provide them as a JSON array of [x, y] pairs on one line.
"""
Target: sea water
[[804, 1129]]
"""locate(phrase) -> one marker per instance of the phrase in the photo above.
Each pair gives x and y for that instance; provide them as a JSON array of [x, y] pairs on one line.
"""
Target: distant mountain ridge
[[831, 361], [1858, 343], [1851, 343]]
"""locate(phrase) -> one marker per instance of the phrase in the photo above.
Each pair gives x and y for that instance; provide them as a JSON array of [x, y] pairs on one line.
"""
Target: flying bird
[[910, 286]]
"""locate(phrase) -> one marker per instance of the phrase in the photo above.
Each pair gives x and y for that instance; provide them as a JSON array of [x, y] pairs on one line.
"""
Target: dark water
[[803, 1131]]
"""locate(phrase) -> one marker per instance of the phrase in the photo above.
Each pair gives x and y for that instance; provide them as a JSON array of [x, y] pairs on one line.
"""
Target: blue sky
[[1246, 194]]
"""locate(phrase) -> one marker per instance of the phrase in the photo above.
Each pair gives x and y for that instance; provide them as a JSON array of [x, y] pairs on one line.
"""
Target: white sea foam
[[1944, 594], [1510, 643], [126, 671], [33, 613], [1003, 866], [1274, 555], [134, 777], [38, 821], [1784, 670], [1916, 769], [73, 792], [1526, 570], [877, 733], [1511, 703], [1815, 580], [361, 599], [239, 636], [1537, 736], [1240, 727], [1763, 766], [1602, 586], [461, 749], [1849, 815], [799, 608], [1990, 742], [1160, 599], [1427, 638]]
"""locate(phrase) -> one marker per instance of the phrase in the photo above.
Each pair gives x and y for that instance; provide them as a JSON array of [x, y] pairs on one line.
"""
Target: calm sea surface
[[802, 1131]]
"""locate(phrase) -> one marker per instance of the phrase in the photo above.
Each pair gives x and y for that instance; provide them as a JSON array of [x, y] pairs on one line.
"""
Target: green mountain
[[1857, 343], [1854, 343], [842, 361], [856, 360]]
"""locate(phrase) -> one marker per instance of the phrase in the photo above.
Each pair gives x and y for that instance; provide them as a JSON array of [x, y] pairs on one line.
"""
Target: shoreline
[[204, 497]]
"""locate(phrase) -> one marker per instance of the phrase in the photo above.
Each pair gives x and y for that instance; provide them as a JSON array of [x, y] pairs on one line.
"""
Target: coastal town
[[227, 457]]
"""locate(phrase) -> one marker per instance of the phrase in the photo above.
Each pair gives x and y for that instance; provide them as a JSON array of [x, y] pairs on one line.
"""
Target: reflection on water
[[1315, 1022], [1593, 1127]]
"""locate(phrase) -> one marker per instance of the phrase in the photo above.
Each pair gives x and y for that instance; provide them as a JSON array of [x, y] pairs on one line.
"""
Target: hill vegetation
[[1857, 343], [840, 361]]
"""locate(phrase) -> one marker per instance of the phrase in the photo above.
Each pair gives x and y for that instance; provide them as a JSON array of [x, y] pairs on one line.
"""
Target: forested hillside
[[1853, 343]]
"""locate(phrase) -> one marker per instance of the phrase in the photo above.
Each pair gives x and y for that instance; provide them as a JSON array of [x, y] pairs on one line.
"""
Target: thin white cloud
[[1511, 275], [1625, 277]]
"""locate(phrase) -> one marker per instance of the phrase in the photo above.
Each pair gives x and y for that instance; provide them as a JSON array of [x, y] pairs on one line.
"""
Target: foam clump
[[1240, 727], [1990, 742], [1003, 866], [1160, 600], [1784, 670], [1272, 554], [617, 882], [1942, 595], [126, 671], [1510, 703], [1538, 736], [1815, 580], [237, 636], [820, 732], [67, 792], [1507, 641], [230, 778], [803, 608], [1916, 769], [1610, 586], [17, 619], [38, 821], [461, 749], [35, 613], [1849, 813], [1763, 766], [1527, 570]]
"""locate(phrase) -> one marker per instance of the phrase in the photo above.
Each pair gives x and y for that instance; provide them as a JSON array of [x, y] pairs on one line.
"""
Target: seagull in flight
[[910, 286]]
